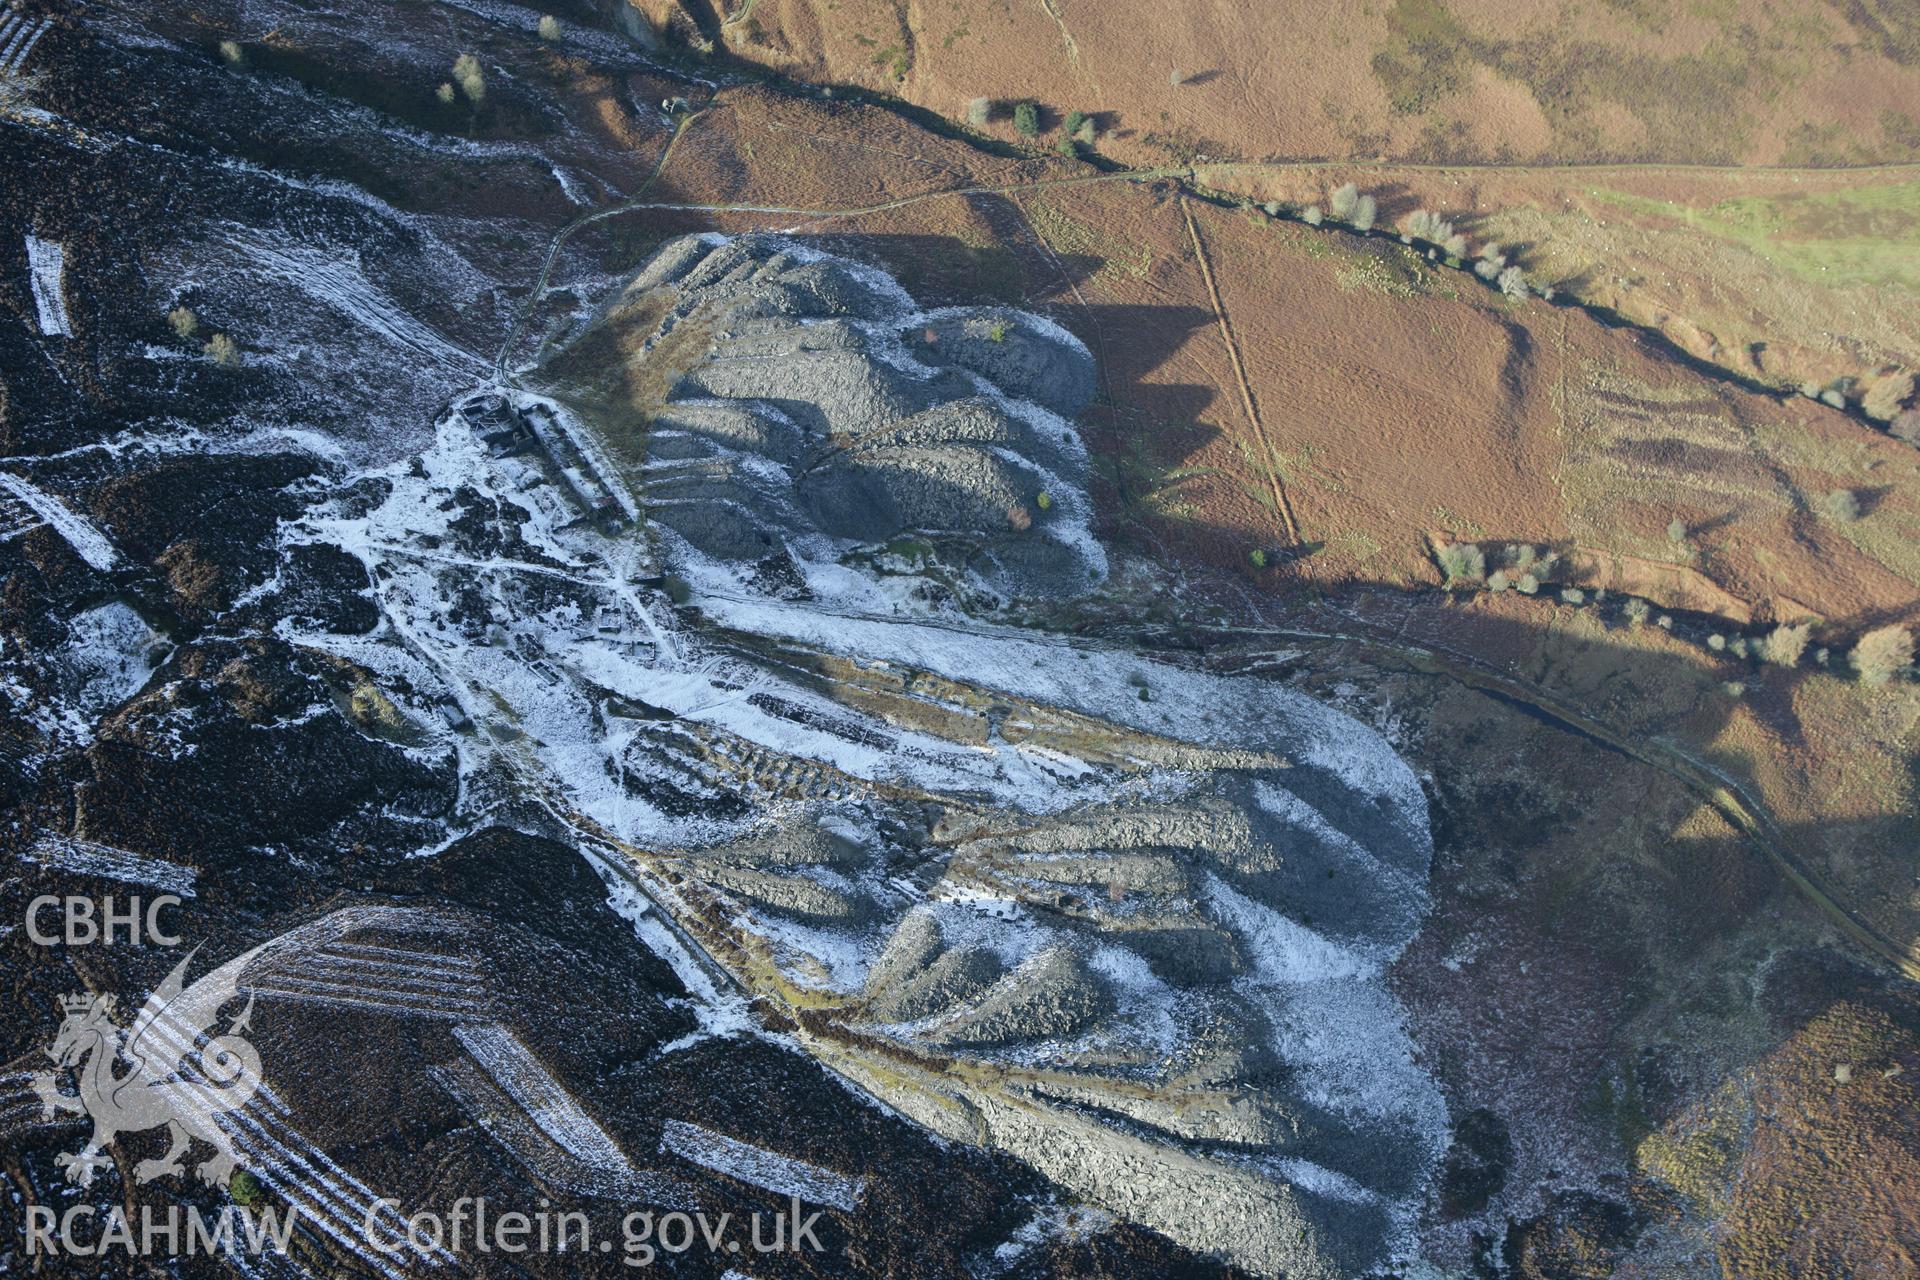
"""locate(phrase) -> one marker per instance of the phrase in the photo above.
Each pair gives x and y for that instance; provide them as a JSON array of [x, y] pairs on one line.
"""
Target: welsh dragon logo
[[168, 1068]]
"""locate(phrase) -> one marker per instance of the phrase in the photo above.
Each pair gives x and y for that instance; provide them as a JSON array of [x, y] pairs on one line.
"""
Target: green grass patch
[[1070, 237], [1860, 236], [1398, 272], [1425, 56]]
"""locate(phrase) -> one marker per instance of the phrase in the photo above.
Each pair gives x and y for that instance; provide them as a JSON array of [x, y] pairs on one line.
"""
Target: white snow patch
[[1282, 950], [88, 542], [109, 654], [84, 857], [46, 261], [761, 1167]]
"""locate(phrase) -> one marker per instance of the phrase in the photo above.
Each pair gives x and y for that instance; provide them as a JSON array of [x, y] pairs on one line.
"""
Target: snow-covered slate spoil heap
[[1139, 942], [828, 411]]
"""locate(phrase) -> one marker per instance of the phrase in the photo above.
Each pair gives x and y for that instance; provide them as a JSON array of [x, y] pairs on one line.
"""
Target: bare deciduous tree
[[1786, 643], [1883, 653], [471, 79]]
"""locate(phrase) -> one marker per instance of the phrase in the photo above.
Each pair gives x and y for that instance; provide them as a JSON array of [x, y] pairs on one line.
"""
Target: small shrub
[[185, 323], [1271, 208], [1785, 644], [1883, 653], [979, 111], [1312, 215], [1717, 642], [1527, 584], [1175, 79], [222, 350], [1886, 395], [1513, 283], [1020, 518], [1364, 212], [1677, 531], [1344, 201], [1637, 611], [549, 27], [1498, 581], [232, 52], [1257, 558], [1087, 131], [1738, 647], [1486, 270], [1073, 123], [1734, 688], [997, 331], [1573, 595], [1044, 501], [1833, 399], [1026, 119], [1456, 246], [245, 1189], [445, 93], [1425, 224], [469, 76], [1462, 562], [1842, 505]]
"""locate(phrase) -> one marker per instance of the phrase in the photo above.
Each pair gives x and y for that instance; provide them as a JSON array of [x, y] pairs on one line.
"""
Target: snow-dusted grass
[[84, 857], [760, 1167], [109, 654], [87, 541], [523, 1078], [46, 263], [339, 283], [417, 985]]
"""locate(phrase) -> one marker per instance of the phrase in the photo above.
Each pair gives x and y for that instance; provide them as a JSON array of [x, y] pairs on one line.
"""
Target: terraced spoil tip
[[828, 412], [1115, 937]]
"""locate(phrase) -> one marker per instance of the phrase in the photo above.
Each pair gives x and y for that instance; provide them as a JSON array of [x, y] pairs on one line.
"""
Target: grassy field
[[1859, 236]]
